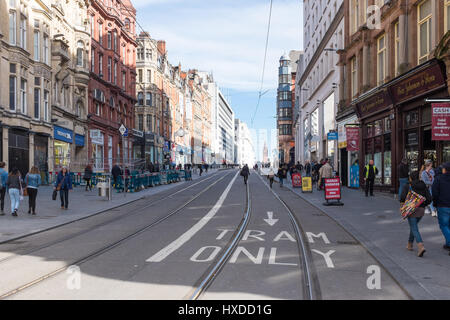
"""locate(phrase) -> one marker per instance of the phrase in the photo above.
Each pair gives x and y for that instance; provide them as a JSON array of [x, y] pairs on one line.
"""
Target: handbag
[[25, 189], [412, 202], [54, 195]]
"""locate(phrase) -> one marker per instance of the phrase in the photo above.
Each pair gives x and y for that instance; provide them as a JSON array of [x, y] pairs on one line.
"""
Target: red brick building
[[112, 82]]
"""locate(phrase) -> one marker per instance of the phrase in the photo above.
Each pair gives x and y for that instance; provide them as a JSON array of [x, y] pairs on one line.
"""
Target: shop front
[[347, 157], [18, 149], [62, 145], [138, 145], [41, 152]]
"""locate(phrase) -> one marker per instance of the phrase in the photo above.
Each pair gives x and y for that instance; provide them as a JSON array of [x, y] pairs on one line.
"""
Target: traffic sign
[[123, 130]]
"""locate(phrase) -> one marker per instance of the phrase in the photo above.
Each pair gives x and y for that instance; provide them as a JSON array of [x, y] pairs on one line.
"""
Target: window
[[127, 23], [397, 48], [97, 109], [140, 98], [80, 61], [148, 99], [45, 105], [354, 80], [149, 123], [109, 68], [140, 75], [109, 41], [12, 93], [92, 24], [23, 33], [115, 72], [37, 103], [36, 46], [447, 15], [424, 30], [381, 59], [92, 60], [23, 95], [124, 79], [140, 122], [354, 14], [115, 41], [46, 50], [149, 76], [100, 33], [285, 130], [100, 65], [12, 28]]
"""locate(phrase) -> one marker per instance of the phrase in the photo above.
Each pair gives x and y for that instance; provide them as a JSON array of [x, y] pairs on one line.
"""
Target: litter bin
[[102, 189]]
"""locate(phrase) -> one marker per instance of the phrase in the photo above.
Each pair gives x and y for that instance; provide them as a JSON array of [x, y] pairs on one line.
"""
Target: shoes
[[421, 250], [409, 246], [29, 211], [34, 213], [446, 247], [14, 214]]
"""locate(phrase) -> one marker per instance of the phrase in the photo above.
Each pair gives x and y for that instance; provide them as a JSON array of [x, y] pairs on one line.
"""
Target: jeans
[[444, 223], [281, 182], [32, 195], [369, 186], [271, 182], [432, 208], [64, 196], [403, 181], [2, 197], [245, 179], [14, 195], [414, 230]]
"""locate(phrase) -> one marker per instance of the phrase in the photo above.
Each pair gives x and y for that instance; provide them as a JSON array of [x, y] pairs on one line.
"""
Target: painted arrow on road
[[271, 221]]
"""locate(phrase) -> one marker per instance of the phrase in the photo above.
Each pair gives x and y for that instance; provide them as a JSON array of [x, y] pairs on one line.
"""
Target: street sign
[[333, 192], [123, 130], [441, 121], [332, 136], [307, 184], [296, 180]]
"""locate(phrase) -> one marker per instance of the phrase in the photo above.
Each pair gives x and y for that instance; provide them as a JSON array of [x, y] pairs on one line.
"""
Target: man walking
[[245, 172], [116, 172], [307, 169], [403, 175], [3, 179], [325, 172], [370, 171], [441, 201]]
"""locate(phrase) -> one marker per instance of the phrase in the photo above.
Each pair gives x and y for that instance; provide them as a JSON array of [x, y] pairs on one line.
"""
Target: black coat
[[403, 171], [441, 191], [87, 173], [245, 171], [116, 171]]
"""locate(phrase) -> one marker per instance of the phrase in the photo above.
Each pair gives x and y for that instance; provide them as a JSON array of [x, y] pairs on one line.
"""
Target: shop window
[[412, 119], [387, 125], [378, 149], [387, 160], [378, 127], [370, 130], [446, 152]]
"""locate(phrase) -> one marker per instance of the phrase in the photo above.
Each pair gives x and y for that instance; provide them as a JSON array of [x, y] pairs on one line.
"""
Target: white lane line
[[185, 237]]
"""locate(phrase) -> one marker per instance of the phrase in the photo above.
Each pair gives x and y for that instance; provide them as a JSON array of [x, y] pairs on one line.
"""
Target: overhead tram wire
[[264, 63]]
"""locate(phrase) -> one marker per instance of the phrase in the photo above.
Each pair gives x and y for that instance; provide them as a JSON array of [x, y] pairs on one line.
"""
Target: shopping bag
[[412, 202]]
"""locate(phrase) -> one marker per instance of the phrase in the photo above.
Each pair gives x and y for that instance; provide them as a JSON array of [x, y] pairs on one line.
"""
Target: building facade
[[245, 150], [390, 71], [112, 83], [317, 95], [285, 106], [26, 84]]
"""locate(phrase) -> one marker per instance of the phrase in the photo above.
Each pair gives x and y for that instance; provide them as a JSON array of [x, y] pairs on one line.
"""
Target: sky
[[227, 38]]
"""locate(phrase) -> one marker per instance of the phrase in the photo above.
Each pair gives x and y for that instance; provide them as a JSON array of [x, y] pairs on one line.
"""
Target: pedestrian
[[281, 174], [427, 176], [441, 201], [370, 171], [15, 190], [403, 175], [419, 187], [245, 172], [87, 177], [307, 169], [325, 172], [3, 179], [33, 181], [200, 167], [116, 172], [271, 176], [63, 184]]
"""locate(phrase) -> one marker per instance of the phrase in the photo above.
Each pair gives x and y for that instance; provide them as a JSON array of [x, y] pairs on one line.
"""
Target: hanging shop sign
[[352, 138], [333, 135], [440, 113]]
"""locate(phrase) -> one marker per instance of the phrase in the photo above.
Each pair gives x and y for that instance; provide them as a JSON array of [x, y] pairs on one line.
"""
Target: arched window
[[127, 23], [80, 47]]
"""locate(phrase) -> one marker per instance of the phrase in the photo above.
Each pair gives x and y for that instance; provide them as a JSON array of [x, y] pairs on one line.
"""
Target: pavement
[[82, 204], [376, 223]]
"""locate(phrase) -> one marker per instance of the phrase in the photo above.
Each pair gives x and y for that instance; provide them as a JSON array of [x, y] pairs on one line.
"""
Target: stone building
[[26, 84], [390, 70]]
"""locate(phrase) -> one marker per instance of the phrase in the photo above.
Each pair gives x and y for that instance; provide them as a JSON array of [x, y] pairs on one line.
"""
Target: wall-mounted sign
[[375, 103], [332, 136], [440, 113], [352, 138], [63, 134]]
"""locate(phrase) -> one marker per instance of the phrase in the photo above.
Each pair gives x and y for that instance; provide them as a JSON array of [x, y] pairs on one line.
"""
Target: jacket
[[403, 171], [245, 171], [440, 191], [367, 171], [420, 188], [14, 182], [33, 180], [3, 177], [87, 173], [67, 184], [308, 168], [116, 171], [428, 177], [271, 173], [326, 171], [281, 173]]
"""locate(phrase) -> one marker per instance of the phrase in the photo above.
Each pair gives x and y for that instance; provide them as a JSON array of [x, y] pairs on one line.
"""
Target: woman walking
[[87, 177], [33, 181], [419, 187], [63, 184], [271, 176], [15, 185], [427, 176]]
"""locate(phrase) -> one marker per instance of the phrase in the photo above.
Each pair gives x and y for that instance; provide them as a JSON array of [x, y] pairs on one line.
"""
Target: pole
[[123, 165]]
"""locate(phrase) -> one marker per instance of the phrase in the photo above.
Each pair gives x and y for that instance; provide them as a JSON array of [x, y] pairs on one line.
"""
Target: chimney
[[162, 46]]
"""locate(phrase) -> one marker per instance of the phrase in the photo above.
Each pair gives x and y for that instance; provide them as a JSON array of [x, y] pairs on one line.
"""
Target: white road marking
[[223, 233], [270, 221], [284, 235], [310, 236], [249, 234], [185, 237], [255, 260], [273, 256], [326, 256], [213, 254]]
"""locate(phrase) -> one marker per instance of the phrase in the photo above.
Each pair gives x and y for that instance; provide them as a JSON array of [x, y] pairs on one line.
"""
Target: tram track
[[109, 246]]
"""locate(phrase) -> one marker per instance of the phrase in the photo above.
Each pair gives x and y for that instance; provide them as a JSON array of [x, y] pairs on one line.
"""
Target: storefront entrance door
[[18, 155]]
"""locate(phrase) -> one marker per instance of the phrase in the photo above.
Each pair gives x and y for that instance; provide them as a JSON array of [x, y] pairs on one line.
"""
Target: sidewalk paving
[[377, 224], [82, 204]]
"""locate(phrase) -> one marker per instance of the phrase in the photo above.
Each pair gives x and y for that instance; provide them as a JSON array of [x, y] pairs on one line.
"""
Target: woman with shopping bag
[[33, 181]]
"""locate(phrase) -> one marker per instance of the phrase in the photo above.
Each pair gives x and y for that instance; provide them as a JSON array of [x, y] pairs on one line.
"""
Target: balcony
[[59, 48]]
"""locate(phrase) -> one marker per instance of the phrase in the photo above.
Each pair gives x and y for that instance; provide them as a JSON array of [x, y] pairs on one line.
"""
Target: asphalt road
[[163, 246]]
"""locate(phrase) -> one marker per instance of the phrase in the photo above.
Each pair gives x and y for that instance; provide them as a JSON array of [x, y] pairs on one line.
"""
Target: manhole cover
[[353, 243]]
